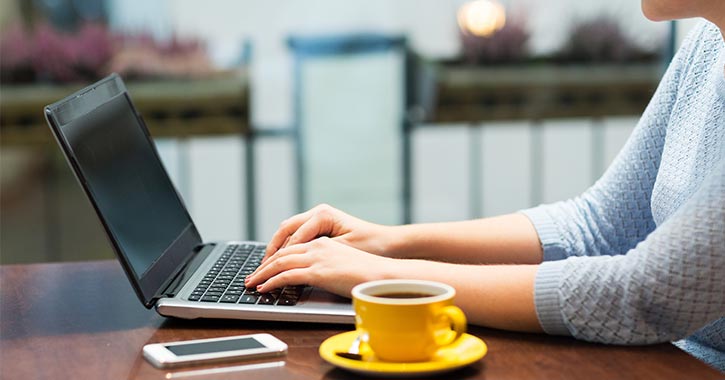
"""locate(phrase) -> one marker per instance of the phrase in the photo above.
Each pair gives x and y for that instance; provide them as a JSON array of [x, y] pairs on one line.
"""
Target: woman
[[638, 258]]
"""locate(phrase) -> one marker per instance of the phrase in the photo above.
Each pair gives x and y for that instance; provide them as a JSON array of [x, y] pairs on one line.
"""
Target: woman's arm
[[664, 289], [499, 296], [506, 239], [615, 214]]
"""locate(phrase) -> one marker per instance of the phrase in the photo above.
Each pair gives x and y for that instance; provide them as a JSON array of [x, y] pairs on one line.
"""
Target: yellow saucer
[[466, 350]]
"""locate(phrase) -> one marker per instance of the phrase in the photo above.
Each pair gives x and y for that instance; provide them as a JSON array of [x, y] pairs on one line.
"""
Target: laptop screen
[[121, 170]]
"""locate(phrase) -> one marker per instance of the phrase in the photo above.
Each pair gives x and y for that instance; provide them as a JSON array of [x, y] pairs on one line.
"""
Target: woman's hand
[[324, 220], [500, 296], [324, 263]]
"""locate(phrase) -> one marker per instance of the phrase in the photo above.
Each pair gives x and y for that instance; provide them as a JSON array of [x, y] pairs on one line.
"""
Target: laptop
[[113, 156]]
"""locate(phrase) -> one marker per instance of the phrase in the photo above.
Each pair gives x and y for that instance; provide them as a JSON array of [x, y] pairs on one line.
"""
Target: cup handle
[[457, 322]]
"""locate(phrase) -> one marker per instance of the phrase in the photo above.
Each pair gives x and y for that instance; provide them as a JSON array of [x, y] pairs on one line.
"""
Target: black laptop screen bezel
[[150, 285]]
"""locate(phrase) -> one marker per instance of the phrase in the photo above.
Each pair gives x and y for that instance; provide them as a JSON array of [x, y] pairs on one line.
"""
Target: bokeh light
[[481, 17]]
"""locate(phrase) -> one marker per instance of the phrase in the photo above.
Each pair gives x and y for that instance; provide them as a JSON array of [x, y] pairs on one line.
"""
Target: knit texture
[[639, 257]]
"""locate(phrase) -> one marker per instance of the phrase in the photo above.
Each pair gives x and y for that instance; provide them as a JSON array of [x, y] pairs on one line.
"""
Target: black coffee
[[403, 295]]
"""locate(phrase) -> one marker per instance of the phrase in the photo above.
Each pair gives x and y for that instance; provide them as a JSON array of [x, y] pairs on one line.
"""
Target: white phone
[[201, 351]]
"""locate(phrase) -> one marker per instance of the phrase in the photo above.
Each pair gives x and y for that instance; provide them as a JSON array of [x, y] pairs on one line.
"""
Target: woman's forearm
[[506, 239], [498, 296]]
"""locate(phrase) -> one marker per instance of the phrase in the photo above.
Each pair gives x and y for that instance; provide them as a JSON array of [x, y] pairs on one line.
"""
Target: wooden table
[[83, 321]]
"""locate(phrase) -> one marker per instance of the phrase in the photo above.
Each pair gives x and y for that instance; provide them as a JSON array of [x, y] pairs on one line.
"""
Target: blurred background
[[395, 111]]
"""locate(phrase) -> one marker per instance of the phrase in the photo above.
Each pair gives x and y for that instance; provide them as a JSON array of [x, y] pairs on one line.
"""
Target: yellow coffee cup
[[406, 320]]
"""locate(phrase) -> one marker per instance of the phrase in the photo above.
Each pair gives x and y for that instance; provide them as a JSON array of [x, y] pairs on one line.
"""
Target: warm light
[[481, 17]]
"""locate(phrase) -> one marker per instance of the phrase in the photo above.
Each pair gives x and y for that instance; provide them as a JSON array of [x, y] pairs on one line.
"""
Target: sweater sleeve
[[615, 214], [644, 283], [664, 289]]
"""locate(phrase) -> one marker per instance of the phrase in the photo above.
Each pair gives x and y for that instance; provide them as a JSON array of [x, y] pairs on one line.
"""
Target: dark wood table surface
[[83, 321]]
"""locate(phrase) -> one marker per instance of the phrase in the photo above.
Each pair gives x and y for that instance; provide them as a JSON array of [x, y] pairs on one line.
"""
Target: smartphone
[[202, 351]]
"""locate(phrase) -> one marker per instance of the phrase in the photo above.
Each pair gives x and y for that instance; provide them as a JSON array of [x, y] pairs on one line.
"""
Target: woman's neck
[[715, 13]]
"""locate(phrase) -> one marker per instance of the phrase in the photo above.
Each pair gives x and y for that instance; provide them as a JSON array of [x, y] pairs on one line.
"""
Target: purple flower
[[601, 40], [52, 55], [92, 48], [504, 46]]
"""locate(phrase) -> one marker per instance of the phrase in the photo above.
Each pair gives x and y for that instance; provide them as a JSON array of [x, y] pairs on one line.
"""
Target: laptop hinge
[[200, 254]]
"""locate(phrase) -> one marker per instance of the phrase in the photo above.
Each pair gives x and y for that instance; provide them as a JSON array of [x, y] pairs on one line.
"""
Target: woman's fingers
[[318, 225], [284, 236], [296, 276], [286, 228], [282, 260], [323, 262]]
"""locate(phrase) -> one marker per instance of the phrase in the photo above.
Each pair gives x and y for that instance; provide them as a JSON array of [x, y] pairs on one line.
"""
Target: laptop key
[[248, 298], [194, 297], [287, 301], [229, 298], [210, 298], [292, 291], [267, 299]]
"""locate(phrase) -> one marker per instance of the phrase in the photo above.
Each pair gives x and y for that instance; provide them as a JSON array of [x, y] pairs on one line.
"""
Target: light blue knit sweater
[[639, 257]]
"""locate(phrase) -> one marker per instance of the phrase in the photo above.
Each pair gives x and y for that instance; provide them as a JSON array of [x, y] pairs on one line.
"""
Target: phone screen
[[246, 343]]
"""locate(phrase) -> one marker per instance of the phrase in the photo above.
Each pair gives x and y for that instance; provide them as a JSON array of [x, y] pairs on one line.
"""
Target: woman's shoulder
[[695, 59], [706, 28], [703, 41]]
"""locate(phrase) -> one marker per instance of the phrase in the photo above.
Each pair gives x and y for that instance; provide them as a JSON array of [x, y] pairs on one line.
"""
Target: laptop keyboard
[[224, 282]]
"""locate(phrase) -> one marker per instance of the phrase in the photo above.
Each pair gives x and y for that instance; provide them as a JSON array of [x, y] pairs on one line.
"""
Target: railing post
[[537, 165], [250, 178], [597, 148], [476, 176]]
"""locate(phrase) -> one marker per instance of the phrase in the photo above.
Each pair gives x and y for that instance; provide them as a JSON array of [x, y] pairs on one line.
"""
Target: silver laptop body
[[114, 158]]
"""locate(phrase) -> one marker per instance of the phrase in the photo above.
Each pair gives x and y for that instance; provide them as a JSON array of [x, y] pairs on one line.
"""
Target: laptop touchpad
[[321, 296]]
